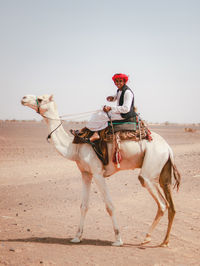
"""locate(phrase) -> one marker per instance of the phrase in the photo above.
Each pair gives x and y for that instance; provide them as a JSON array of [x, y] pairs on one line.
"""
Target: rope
[[79, 114], [49, 136], [109, 117]]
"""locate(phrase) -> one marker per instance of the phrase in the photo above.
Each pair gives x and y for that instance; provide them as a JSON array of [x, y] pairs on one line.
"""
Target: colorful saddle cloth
[[135, 131]]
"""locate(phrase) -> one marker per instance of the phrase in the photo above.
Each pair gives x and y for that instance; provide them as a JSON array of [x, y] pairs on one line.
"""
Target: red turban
[[120, 76]]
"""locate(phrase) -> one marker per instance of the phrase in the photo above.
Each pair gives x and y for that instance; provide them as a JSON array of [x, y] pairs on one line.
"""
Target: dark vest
[[131, 113]]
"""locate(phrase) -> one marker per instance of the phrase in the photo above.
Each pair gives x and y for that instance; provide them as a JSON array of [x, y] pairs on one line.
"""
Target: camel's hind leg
[[153, 189], [165, 183]]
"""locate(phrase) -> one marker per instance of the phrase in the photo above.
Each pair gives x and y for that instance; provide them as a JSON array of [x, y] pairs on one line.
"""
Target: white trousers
[[99, 120]]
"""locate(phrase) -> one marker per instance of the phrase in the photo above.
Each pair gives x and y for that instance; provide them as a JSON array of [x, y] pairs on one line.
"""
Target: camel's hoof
[[146, 240], [76, 240], [164, 245], [117, 243]]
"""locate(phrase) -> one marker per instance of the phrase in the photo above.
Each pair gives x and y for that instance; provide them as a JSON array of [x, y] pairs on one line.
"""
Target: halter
[[38, 111], [38, 106]]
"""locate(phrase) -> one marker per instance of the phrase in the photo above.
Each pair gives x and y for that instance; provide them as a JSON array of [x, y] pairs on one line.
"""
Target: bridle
[[38, 106], [38, 111]]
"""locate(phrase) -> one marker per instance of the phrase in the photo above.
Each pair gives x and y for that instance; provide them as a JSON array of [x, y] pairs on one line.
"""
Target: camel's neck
[[61, 140]]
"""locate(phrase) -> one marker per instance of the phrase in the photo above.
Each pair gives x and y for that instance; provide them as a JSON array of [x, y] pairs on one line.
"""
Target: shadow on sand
[[66, 241], [59, 241]]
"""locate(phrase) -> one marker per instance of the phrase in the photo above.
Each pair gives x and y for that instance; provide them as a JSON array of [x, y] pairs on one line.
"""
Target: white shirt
[[99, 120], [125, 108]]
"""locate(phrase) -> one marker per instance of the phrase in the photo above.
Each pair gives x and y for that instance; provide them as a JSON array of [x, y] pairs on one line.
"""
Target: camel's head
[[44, 104]]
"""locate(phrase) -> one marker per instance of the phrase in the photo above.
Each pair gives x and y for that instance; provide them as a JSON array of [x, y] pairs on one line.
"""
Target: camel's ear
[[51, 98]]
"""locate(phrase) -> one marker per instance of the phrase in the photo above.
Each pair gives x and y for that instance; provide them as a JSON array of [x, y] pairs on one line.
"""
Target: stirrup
[[74, 132]]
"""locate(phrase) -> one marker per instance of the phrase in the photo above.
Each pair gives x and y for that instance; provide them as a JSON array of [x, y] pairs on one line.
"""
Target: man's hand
[[106, 108], [110, 98]]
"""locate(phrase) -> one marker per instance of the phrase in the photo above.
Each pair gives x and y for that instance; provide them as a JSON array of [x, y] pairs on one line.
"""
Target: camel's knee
[[161, 209], [110, 210], [83, 208], [116, 231], [145, 182], [172, 212], [142, 181]]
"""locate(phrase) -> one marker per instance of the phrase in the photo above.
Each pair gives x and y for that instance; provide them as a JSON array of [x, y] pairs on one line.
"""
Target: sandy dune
[[40, 195]]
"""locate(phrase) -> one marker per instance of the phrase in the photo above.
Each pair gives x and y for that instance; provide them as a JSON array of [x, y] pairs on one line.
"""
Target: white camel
[[154, 158]]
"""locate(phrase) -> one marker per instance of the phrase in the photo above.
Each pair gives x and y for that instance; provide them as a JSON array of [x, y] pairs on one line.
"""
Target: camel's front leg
[[100, 181], [86, 180]]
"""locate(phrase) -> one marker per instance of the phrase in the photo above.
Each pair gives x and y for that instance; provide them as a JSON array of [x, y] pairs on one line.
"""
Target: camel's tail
[[177, 176], [176, 173]]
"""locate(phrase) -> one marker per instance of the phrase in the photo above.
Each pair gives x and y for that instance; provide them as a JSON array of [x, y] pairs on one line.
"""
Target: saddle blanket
[[109, 135]]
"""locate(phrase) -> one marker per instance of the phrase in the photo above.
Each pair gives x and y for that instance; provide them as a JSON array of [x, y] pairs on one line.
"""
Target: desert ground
[[40, 195]]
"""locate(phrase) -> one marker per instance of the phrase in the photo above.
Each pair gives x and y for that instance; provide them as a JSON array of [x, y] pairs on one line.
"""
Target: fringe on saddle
[[121, 132]]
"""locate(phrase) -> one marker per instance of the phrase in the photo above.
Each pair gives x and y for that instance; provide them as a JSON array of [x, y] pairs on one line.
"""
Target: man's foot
[[94, 137]]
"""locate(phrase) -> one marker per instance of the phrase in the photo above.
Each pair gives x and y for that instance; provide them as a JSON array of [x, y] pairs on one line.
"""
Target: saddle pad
[[124, 127], [135, 135], [106, 135]]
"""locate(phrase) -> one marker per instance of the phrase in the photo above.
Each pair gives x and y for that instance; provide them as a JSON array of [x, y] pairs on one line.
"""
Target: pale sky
[[72, 48]]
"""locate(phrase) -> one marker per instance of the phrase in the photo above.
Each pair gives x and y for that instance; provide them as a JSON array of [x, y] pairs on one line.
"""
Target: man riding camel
[[123, 110]]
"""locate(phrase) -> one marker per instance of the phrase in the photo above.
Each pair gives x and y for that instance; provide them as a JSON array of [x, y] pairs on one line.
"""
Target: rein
[[49, 136], [109, 117]]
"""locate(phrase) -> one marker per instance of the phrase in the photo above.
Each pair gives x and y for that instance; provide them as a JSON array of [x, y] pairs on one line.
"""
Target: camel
[[154, 158], [189, 129]]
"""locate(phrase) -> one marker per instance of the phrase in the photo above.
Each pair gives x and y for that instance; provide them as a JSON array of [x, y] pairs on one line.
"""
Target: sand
[[40, 195]]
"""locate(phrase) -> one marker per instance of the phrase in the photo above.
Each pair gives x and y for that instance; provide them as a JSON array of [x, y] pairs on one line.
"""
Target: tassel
[[118, 158], [149, 135]]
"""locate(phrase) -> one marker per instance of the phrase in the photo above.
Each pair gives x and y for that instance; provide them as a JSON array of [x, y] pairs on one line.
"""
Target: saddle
[[133, 129]]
